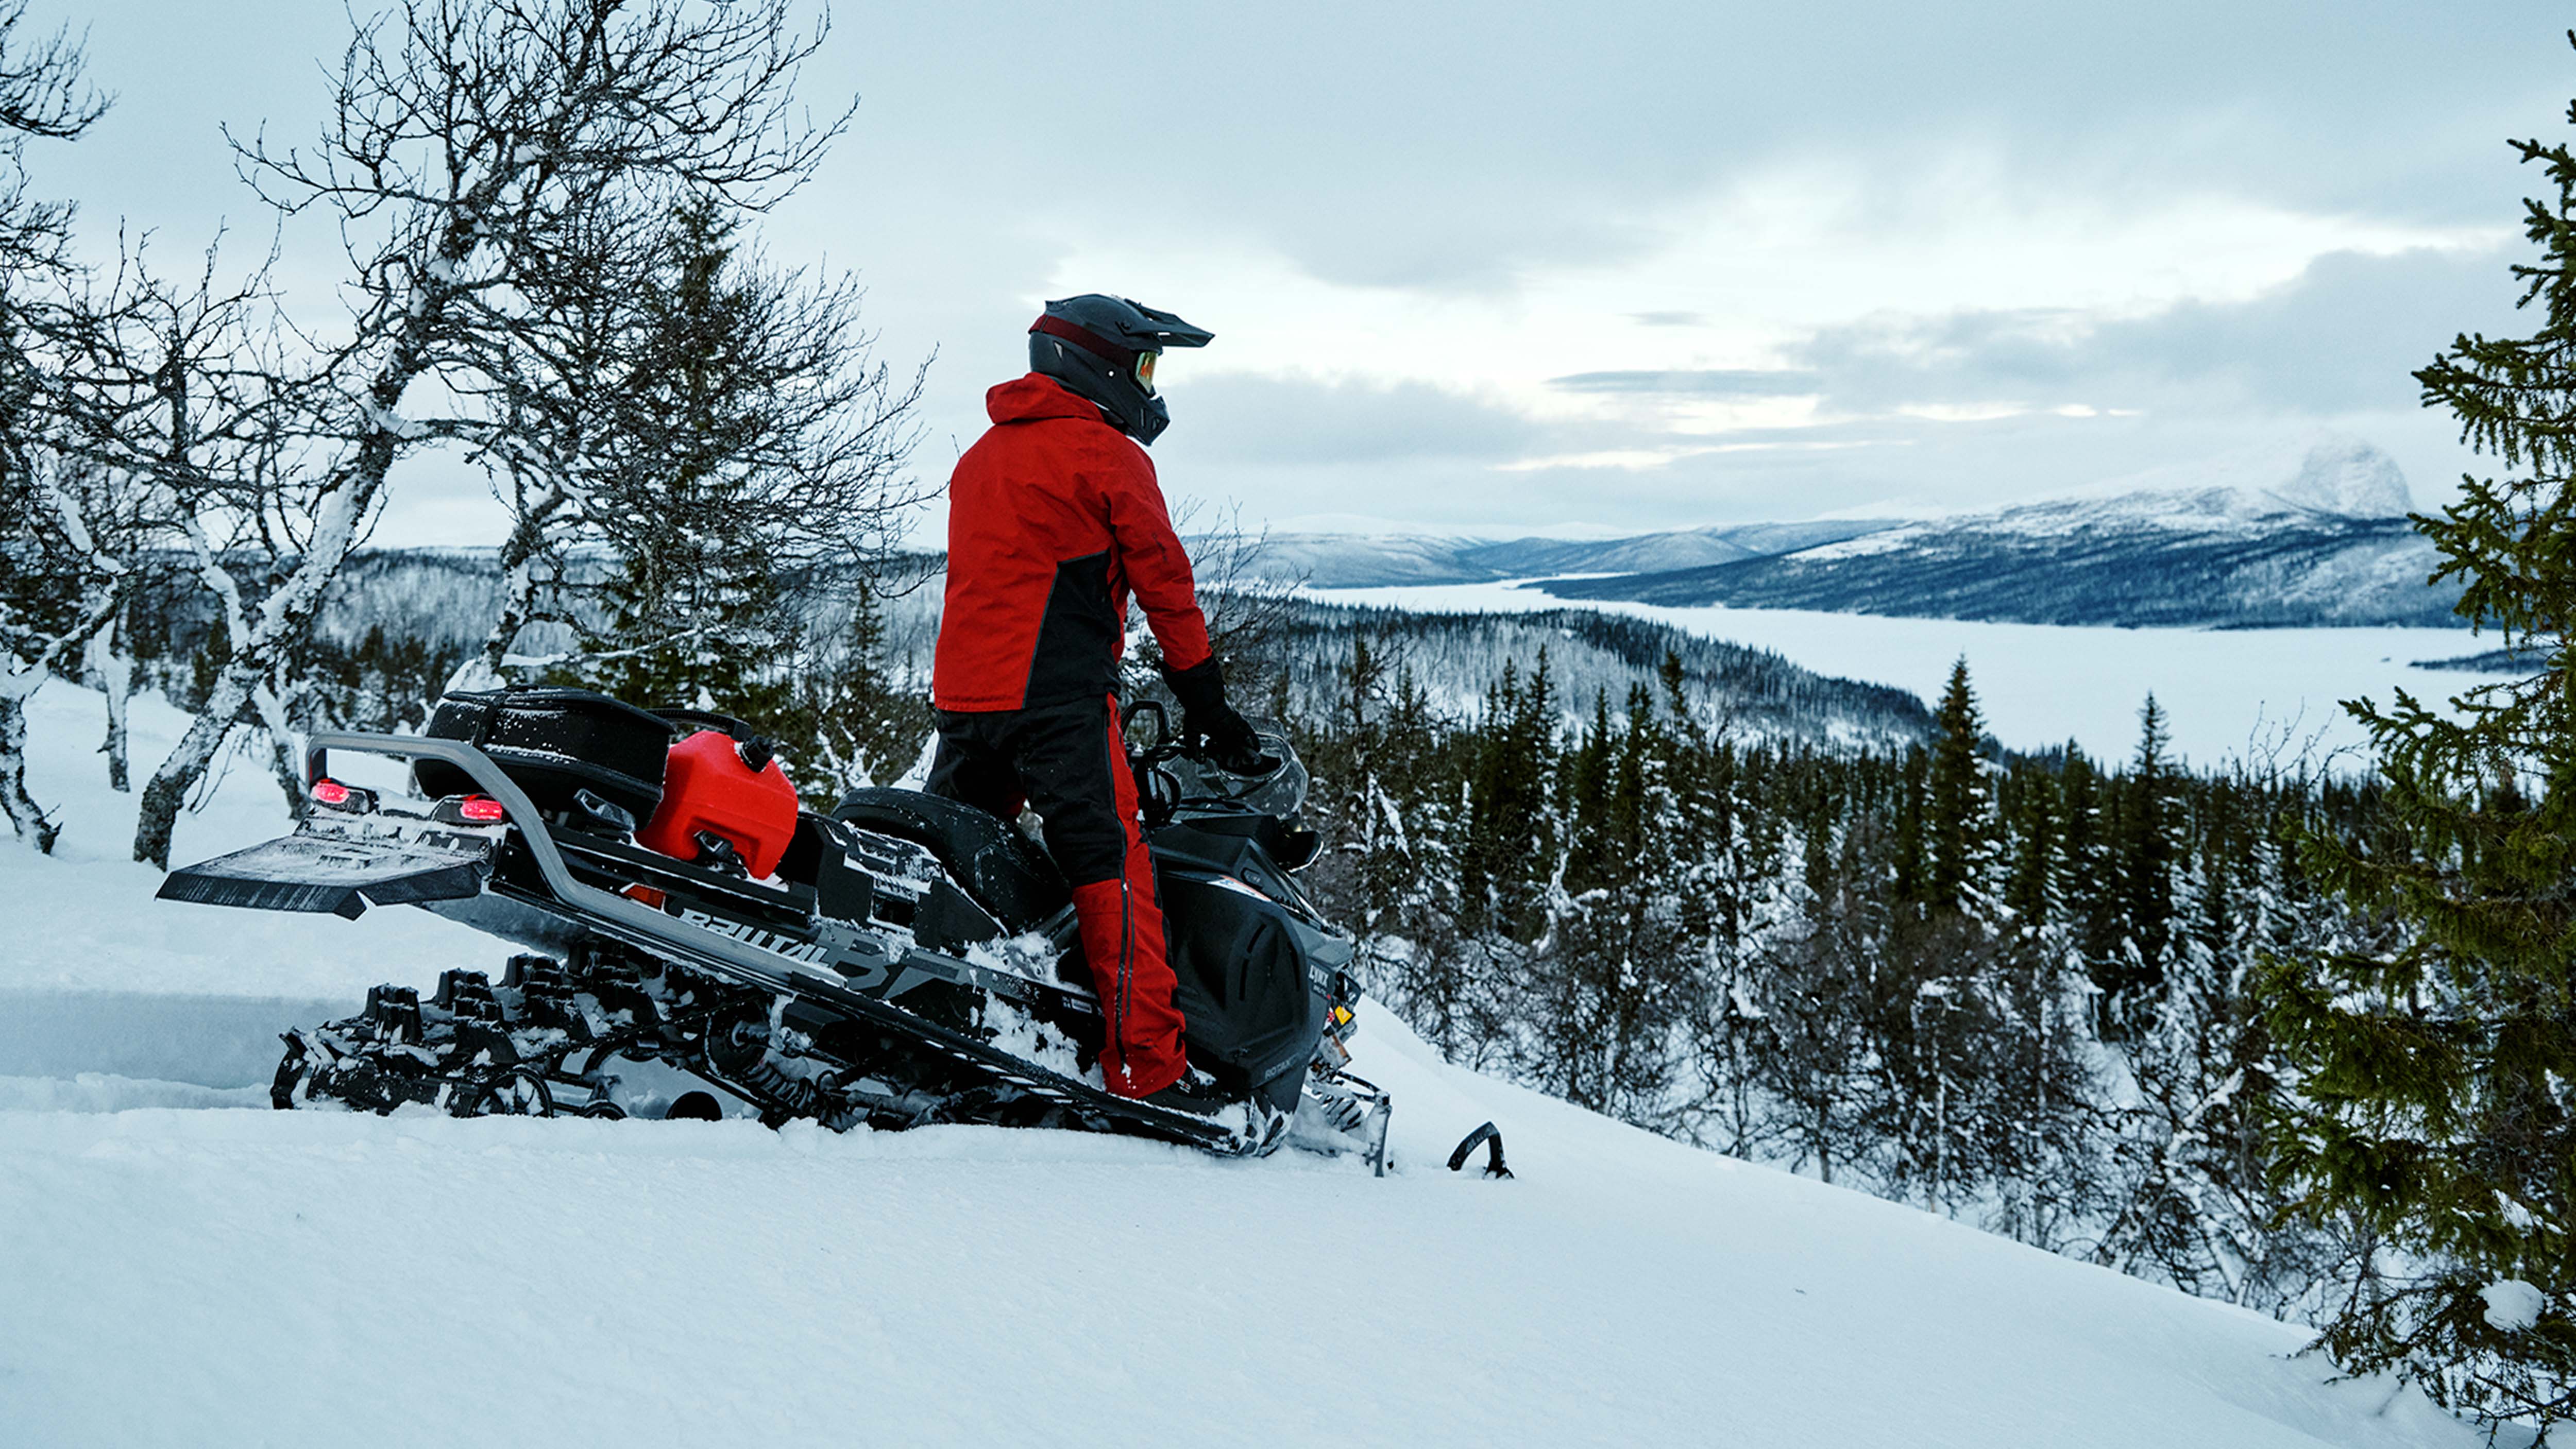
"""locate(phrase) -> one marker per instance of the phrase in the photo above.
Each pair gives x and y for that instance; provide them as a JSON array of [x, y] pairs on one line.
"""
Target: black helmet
[[1103, 348]]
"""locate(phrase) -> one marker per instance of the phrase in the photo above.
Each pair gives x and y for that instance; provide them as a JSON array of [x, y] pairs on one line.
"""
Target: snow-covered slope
[[176, 1272]]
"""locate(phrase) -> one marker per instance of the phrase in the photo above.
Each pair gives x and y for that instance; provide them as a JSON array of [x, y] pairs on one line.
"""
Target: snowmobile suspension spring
[[796, 1094], [742, 1054]]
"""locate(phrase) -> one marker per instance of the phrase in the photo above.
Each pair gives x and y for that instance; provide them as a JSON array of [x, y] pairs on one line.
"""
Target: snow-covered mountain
[[1339, 561], [2321, 538], [2312, 535], [182, 1265]]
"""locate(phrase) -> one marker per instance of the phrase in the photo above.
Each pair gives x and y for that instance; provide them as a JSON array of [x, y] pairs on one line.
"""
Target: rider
[[1054, 518]]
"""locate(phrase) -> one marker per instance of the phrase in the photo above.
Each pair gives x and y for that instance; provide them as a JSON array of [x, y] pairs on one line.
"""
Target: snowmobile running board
[[404, 859]]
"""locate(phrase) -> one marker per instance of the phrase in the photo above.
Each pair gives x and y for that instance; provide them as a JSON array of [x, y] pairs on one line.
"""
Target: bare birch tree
[[57, 588], [480, 162]]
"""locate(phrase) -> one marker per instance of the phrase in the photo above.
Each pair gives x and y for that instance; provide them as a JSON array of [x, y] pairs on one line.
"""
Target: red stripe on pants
[[1122, 939]]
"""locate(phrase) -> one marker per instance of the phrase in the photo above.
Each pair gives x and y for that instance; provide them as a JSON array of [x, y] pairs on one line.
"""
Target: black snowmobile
[[903, 960]]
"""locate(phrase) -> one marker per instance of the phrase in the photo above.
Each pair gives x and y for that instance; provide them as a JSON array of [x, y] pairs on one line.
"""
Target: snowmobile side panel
[[1240, 981]]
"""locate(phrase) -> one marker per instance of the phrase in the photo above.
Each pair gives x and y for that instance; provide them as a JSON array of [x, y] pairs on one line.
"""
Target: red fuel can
[[709, 787]]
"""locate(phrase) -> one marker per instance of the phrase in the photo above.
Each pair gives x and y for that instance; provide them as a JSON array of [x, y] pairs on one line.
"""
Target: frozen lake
[[2227, 692]]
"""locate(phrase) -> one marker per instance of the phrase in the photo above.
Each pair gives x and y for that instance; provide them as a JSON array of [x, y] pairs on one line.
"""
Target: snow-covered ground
[[2227, 692], [179, 1266]]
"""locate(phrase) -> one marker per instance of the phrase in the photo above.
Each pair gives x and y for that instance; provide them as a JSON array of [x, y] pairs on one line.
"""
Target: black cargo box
[[553, 742]]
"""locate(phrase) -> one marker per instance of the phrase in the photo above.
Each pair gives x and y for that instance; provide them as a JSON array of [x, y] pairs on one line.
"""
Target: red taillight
[[330, 792], [481, 810]]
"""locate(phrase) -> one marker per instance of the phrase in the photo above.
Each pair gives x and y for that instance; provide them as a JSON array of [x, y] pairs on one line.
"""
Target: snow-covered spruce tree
[[2044, 1152], [1939, 1009], [2198, 1207], [1958, 804], [2439, 1076], [1512, 846], [479, 160], [1824, 978], [2087, 876], [849, 721], [1481, 1007], [1615, 981], [2144, 847], [1751, 869], [738, 459], [1389, 799], [699, 616]]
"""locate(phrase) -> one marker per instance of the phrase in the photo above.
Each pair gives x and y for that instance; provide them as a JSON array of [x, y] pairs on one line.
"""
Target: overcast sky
[[1514, 265]]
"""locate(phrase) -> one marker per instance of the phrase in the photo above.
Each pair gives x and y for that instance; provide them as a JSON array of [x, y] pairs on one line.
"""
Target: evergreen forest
[[2015, 989]]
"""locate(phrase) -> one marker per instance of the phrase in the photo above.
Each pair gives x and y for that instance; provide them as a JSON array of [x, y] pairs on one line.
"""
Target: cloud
[[2342, 336], [1305, 420], [1730, 382], [1440, 146]]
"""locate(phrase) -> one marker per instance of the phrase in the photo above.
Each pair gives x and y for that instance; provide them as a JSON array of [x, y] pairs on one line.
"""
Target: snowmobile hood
[[1036, 397]]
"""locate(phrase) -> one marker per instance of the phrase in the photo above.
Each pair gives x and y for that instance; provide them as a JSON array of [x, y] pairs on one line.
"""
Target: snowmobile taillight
[[469, 810], [646, 894], [327, 791]]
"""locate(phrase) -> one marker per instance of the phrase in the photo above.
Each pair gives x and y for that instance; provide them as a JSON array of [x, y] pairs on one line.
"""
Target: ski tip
[[1491, 1137]]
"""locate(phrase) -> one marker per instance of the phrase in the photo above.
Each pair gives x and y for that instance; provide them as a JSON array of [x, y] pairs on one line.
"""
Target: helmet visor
[[1145, 371]]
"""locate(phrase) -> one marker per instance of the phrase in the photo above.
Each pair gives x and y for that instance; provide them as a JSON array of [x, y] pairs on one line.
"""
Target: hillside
[[1455, 655], [2315, 538], [1336, 561], [2053, 566], [443, 598], [180, 1271]]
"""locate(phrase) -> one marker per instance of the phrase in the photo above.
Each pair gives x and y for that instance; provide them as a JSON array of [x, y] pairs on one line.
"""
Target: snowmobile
[[698, 944]]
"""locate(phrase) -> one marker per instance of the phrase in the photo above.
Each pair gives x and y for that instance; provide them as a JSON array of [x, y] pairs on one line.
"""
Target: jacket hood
[[1034, 397]]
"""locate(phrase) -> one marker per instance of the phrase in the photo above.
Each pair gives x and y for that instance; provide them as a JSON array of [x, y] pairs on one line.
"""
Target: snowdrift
[[181, 1266]]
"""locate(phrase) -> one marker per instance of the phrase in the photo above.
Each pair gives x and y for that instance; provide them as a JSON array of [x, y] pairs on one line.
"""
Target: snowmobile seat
[[1002, 869]]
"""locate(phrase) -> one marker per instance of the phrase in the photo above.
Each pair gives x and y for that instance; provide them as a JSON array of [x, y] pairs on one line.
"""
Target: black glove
[[1209, 726]]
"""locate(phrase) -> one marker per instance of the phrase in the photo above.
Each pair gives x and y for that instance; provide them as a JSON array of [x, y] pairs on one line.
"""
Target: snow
[[2512, 1304], [179, 1271], [2226, 692], [2327, 472], [2351, 478]]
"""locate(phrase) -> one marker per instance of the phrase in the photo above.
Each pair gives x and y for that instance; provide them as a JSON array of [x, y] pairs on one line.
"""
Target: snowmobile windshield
[[1281, 792]]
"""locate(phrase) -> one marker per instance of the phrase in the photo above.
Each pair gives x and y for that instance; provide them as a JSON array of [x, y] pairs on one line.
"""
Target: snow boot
[[1196, 1093]]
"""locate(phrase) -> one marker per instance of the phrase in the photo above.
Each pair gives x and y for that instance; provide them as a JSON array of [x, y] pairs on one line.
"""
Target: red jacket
[[1053, 517]]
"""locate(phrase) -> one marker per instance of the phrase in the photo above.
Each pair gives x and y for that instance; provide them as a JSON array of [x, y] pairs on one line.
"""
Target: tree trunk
[[116, 679], [167, 791], [26, 819], [283, 756]]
